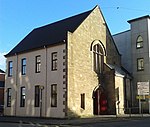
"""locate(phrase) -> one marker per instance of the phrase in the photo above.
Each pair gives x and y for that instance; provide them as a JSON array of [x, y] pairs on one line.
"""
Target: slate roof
[[50, 34], [119, 70], [1, 71]]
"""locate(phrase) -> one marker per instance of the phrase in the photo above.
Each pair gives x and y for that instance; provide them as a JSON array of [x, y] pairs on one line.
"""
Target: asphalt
[[66, 121]]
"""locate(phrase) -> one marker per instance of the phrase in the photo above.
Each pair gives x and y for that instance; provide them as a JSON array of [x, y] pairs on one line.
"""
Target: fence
[[132, 112]]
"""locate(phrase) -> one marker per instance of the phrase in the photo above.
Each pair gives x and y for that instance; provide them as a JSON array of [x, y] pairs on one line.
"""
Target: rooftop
[[143, 17], [1, 71], [51, 34]]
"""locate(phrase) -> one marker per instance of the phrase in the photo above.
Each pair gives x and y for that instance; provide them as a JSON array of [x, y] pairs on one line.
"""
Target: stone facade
[[81, 76]]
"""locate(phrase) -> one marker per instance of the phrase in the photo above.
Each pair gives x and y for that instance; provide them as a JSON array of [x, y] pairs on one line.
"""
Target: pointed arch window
[[98, 58], [139, 42]]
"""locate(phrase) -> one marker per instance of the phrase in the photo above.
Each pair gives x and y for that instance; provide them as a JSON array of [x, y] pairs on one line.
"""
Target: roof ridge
[[67, 18], [138, 18]]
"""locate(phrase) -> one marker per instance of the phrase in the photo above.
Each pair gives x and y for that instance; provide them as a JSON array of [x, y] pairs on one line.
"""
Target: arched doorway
[[99, 101]]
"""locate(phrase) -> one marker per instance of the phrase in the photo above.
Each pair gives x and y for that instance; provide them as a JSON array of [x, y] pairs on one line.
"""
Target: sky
[[19, 17]]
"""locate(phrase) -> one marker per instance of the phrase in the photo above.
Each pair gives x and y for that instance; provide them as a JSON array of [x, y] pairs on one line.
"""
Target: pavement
[[72, 121]]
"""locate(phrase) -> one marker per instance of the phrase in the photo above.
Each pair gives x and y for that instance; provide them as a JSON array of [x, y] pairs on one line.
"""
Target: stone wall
[[109, 81], [81, 76]]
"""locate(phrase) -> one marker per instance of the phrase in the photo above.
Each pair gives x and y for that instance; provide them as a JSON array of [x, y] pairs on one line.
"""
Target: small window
[[140, 64], [54, 61], [22, 97], [10, 69], [37, 96], [83, 101], [54, 95], [23, 66], [139, 42], [38, 64], [9, 97]]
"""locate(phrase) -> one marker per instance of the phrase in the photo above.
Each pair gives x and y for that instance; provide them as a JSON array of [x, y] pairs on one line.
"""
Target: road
[[126, 123], [143, 122], [23, 125]]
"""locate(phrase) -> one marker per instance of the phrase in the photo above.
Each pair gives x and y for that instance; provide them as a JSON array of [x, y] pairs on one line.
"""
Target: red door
[[103, 103], [99, 102]]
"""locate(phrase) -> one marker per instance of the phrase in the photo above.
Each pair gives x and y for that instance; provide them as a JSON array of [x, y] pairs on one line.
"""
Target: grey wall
[[123, 42]]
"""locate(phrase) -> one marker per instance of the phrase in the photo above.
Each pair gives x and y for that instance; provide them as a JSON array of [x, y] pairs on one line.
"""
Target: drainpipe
[[45, 81], [16, 83], [41, 100]]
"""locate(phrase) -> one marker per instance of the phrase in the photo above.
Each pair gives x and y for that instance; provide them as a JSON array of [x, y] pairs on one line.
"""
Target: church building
[[69, 68]]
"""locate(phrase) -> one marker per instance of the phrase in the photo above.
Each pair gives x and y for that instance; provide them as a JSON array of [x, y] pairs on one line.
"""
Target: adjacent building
[[2, 85], [134, 45], [69, 68]]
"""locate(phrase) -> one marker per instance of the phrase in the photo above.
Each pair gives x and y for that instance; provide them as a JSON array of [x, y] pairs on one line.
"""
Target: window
[[54, 95], [37, 96], [10, 68], [9, 97], [22, 97], [140, 64], [98, 58], [139, 42], [38, 64], [23, 66], [54, 61], [83, 101]]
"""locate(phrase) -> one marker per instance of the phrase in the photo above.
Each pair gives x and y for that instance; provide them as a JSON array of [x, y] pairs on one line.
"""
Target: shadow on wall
[[72, 114]]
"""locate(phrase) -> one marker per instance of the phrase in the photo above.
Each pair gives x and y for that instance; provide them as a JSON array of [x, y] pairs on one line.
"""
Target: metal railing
[[132, 112]]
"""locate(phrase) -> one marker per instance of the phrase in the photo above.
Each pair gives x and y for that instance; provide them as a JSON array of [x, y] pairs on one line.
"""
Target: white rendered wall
[[45, 78]]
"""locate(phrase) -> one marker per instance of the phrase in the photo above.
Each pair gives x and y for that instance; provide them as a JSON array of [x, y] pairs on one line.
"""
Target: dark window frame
[[10, 68], [139, 42], [37, 96], [54, 61], [22, 96], [37, 64], [139, 67], [9, 97], [83, 100], [23, 66], [54, 95]]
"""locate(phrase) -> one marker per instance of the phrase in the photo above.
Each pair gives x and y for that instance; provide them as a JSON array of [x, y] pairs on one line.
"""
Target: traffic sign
[[143, 88]]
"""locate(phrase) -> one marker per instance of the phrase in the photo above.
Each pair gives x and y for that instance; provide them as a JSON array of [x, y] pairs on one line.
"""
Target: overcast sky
[[19, 17]]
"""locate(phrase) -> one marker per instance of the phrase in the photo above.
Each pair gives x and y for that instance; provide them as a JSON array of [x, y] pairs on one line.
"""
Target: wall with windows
[[2, 86], [138, 40], [140, 52], [82, 78], [31, 80], [10, 85]]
